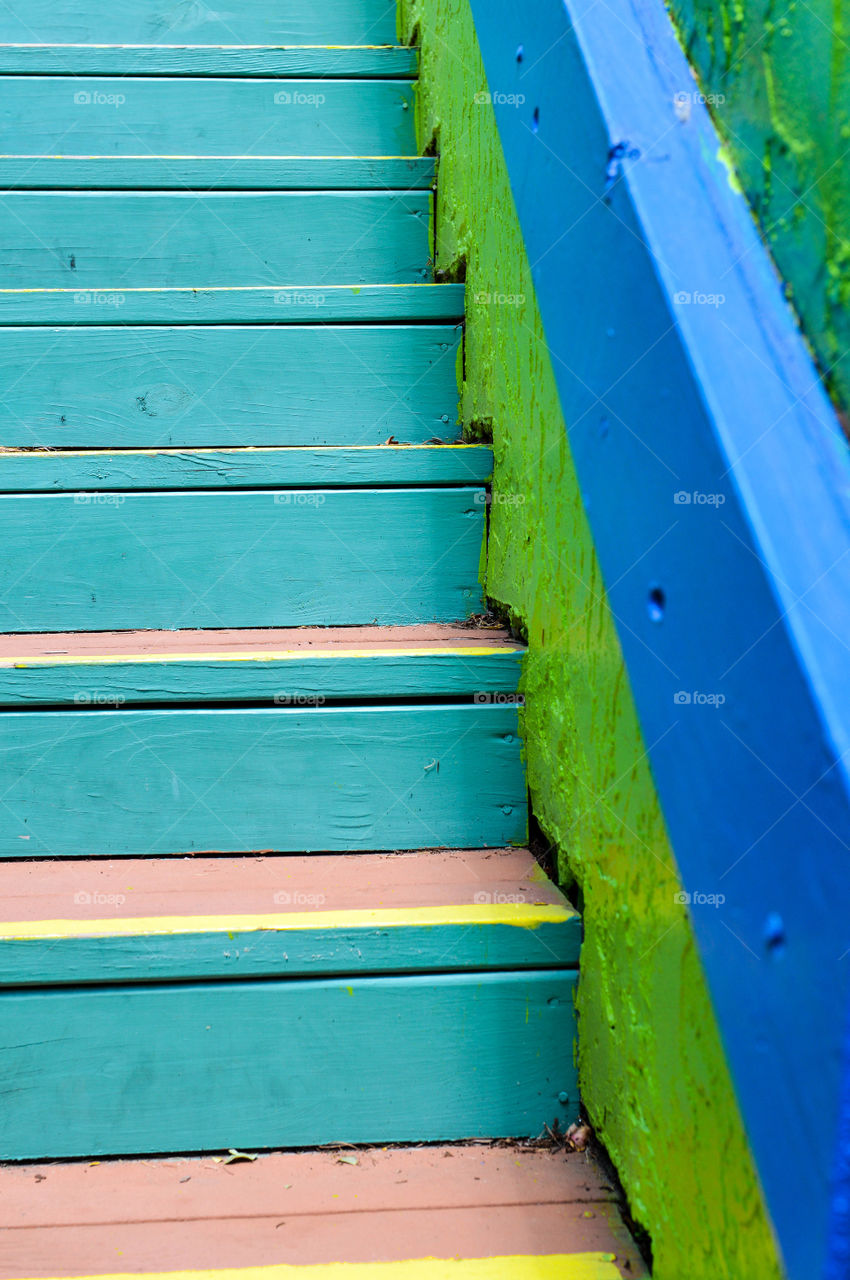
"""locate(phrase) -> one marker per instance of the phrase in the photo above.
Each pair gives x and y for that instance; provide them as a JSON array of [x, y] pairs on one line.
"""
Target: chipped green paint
[[778, 86], [654, 1078]]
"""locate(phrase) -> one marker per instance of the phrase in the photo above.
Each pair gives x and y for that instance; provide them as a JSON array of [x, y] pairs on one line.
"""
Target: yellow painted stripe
[[520, 915], [271, 655], [563, 1266]]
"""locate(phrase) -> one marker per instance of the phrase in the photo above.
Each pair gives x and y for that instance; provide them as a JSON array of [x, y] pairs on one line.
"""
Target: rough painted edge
[[572, 1266]]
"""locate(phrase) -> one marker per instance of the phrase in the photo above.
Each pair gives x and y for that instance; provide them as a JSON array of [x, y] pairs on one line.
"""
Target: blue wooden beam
[[717, 485]]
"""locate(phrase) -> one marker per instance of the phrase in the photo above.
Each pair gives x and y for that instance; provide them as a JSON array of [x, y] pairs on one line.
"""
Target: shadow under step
[[420, 998], [354, 739]]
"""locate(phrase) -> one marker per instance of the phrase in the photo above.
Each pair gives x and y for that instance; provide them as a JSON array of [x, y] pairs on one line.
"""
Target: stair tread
[[235, 172]]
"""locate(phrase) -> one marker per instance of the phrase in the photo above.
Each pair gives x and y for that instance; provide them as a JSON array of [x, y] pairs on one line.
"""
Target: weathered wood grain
[[285, 304], [165, 22], [126, 115], [109, 240], [361, 62], [206, 1067], [113, 386], [103, 783], [29, 471], [101, 561], [235, 173]]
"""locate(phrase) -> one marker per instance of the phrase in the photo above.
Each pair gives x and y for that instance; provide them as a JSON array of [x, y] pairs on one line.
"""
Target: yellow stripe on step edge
[[562, 1266], [272, 655], [522, 915]]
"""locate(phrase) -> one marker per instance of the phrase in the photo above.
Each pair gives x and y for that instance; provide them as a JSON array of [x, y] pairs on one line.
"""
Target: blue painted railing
[[717, 485]]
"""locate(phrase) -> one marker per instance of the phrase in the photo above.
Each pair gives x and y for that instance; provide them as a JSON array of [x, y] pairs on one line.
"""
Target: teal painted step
[[245, 558], [296, 173], [246, 468], [110, 783], [91, 115], [364, 62], [188, 919], [182, 1067], [176, 22], [124, 387], [287, 304], [114, 240], [305, 666]]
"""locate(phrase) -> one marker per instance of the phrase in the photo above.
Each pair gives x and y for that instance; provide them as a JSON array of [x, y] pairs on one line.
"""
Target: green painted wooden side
[[285, 304], [306, 678], [166, 22], [117, 783], [297, 173], [252, 1065], [125, 387], [294, 954], [202, 60], [115, 115], [112, 240], [246, 468], [246, 558]]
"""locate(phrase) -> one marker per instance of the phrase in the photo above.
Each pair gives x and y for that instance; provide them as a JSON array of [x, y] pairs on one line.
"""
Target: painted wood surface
[[100, 561], [63, 471], [475, 1201], [263, 676], [165, 22], [264, 1064], [121, 783], [298, 173], [361, 62], [286, 385], [123, 115], [110, 240], [575, 1266], [258, 304]]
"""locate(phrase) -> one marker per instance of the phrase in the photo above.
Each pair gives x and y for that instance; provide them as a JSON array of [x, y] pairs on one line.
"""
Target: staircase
[[261, 777]]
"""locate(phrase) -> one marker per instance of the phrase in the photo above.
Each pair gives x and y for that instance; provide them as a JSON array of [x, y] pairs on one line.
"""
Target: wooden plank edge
[[569, 1266]]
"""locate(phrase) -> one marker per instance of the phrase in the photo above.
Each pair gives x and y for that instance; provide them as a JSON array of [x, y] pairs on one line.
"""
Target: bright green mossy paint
[[777, 78], [654, 1078]]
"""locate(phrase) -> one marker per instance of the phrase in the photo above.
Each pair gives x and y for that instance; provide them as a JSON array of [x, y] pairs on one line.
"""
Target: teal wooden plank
[[235, 173], [302, 678], [362, 61], [152, 782], [128, 470], [246, 558], [284, 304], [162, 22], [125, 387], [296, 953], [113, 240], [194, 1067], [103, 115]]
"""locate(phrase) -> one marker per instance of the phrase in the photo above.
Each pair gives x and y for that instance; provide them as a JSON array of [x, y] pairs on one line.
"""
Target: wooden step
[[515, 1213], [164, 22], [305, 666], [206, 173], [178, 115], [111, 240], [298, 61], [257, 304], [431, 1019], [247, 557], [114, 386], [149, 920]]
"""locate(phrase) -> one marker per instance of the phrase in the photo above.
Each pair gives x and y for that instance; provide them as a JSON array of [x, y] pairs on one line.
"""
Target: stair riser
[[212, 1066], [164, 22], [170, 560], [121, 115], [112, 240], [104, 783], [114, 387]]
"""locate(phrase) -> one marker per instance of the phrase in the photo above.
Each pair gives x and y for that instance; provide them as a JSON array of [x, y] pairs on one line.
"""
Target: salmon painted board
[[113, 782], [114, 386], [258, 558]]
